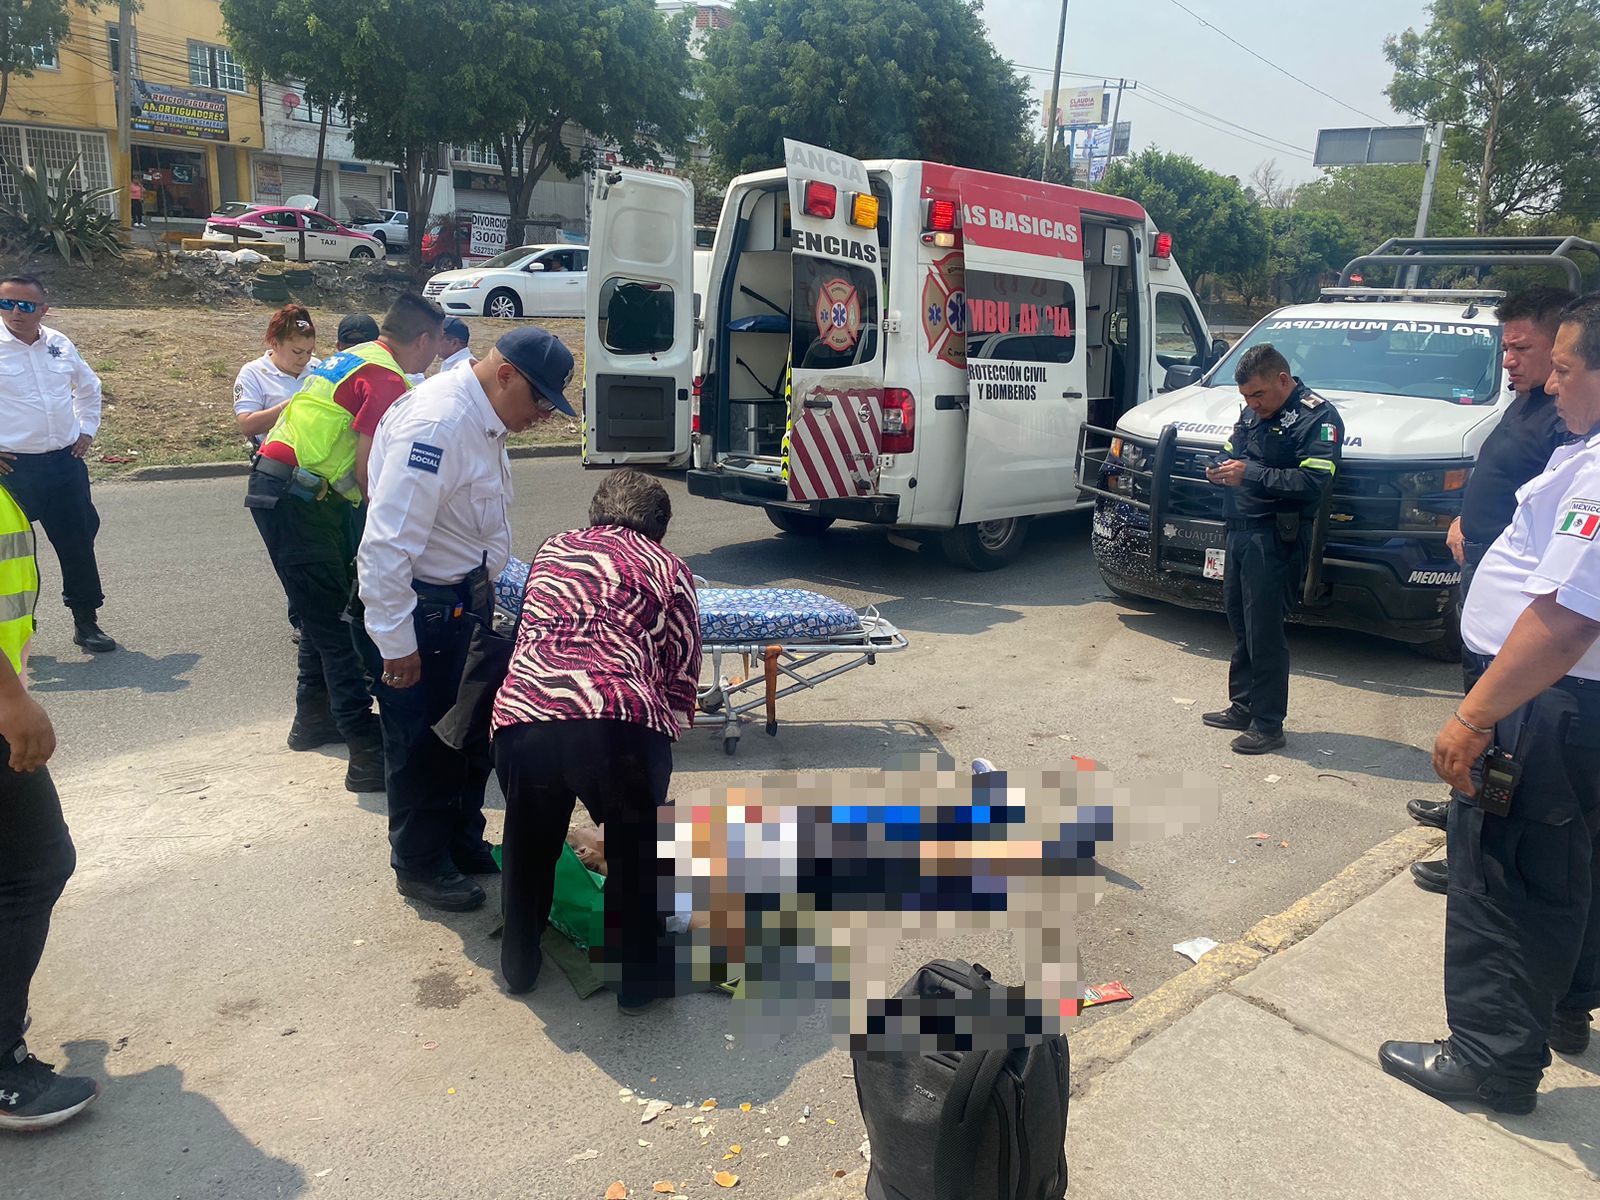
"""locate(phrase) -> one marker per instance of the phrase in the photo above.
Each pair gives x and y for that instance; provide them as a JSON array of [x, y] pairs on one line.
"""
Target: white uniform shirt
[[461, 358], [260, 384], [48, 395], [1551, 547], [439, 487]]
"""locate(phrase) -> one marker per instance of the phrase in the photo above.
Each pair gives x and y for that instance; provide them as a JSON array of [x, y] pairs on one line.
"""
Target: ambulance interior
[[1111, 321]]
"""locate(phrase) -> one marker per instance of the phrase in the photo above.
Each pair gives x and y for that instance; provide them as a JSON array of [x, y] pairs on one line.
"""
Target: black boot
[[313, 723], [86, 632], [1429, 812], [365, 773], [1569, 1031]]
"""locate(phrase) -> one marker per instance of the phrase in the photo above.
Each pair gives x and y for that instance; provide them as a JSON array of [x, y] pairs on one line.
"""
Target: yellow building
[[195, 116]]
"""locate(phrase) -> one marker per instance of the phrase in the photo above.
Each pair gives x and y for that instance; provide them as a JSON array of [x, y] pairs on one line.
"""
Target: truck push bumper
[[716, 484]]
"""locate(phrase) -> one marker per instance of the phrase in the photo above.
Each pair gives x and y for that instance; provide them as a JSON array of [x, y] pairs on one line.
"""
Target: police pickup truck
[[1416, 375]]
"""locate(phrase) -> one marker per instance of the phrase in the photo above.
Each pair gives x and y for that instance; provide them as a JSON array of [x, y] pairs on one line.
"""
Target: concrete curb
[[222, 470], [1108, 1041]]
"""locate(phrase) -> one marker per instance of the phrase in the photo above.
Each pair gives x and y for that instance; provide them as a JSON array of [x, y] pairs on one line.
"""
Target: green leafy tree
[[1216, 228], [1308, 245], [1380, 202], [31, 33], [869, 78], [1518, 82], [552, 71]]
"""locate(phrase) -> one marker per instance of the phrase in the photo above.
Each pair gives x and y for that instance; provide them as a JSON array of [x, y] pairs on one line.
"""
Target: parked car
[[233, 208], [528, 281], [306, 234], [391, 226], [446, 240]]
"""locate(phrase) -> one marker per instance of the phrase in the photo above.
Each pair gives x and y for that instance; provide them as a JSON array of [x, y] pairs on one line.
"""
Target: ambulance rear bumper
[[717, 484]]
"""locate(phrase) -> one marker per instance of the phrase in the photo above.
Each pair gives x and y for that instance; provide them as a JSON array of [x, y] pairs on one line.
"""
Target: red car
[[306, 234]]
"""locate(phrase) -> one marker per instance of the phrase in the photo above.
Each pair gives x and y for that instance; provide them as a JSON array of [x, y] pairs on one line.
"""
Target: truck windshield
[[1446, 360]]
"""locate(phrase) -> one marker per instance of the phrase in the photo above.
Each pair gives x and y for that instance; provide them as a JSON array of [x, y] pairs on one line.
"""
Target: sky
[[1248, 111]]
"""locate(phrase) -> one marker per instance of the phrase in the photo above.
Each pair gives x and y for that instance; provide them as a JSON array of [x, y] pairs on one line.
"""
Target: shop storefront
[[177, 182], [180, 150]]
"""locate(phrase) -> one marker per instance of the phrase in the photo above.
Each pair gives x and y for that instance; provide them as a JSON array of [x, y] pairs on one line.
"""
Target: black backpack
[[974, 1125]]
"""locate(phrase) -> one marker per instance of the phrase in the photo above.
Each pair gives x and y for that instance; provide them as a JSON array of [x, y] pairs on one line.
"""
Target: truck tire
[[986, 545], [1447, 646], [799, 524]]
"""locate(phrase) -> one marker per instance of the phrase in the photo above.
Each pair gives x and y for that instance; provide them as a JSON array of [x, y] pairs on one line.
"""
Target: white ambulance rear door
[[1026, 376], [835, 427], [639, 335]]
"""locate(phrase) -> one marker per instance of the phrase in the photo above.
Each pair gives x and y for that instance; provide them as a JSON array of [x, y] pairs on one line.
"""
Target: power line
[[1275, 149], [1287, 145], [1286, 74]]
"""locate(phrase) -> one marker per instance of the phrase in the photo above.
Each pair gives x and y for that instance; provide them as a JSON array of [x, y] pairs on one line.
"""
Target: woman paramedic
[[265, 384]]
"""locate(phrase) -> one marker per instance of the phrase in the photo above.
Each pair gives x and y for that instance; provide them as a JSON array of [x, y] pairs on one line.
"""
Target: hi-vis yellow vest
[[19, 580], [317, 427]]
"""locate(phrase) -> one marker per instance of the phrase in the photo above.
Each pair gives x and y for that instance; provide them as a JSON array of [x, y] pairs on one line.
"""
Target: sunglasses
[[539, 400], [26, 306]]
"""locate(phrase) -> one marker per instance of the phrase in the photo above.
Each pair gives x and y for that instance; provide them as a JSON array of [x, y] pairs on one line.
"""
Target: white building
[[709, 16], [286, 166]]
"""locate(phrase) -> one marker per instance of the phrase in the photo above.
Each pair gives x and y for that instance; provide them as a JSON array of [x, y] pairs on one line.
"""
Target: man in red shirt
[[305, 492]]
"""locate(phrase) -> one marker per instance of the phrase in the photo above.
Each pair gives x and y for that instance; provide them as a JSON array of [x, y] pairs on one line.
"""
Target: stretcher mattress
[[734, 615]]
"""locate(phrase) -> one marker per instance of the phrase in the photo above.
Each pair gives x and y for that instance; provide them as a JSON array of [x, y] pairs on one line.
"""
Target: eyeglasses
[[26, 306], [542, 404]]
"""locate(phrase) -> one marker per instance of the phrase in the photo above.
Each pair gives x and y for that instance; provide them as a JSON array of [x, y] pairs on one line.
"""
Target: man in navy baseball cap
[[543, 361]]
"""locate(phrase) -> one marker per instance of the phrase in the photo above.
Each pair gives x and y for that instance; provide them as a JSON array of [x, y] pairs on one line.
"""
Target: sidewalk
[[1271, 1087]]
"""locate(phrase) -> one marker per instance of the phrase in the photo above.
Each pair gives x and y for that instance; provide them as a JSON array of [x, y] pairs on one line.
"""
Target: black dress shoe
[[452, 893], [1429, 812], [1433, 1067], [1569, 1031], [476, 862], [88, 634], [1232, 717], [1254, 741], [1432, 876]]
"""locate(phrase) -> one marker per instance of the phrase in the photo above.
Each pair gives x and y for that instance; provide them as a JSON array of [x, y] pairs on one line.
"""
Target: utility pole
[[1428, 182], [1055, 94], [125, 82], [1116, 115]]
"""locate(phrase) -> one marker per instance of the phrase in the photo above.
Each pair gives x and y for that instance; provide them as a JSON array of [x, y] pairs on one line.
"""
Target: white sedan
[[528, 281]]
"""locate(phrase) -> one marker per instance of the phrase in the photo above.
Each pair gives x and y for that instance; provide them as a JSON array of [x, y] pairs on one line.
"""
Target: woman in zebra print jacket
[[606, 663]]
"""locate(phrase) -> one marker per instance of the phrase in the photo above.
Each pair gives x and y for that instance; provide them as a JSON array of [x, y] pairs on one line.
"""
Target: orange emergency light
[[864, 210]]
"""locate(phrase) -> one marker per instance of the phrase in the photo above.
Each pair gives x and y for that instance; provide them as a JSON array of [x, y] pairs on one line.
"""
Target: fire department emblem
[[944, 310], [838, 315]]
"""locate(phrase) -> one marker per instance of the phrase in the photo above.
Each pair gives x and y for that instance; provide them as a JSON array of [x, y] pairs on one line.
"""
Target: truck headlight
[[1431, 500]]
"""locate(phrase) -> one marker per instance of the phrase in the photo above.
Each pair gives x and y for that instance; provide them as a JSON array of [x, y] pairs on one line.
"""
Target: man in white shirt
[[453, 351], [49, 413], [437, 536], [1522, 753]]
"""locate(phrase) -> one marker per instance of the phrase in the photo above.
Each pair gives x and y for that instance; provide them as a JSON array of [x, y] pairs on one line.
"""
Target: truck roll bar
[[1402, 253]]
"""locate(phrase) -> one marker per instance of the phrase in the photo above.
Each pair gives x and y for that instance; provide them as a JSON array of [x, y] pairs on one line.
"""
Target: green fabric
[[19, 580], [318, 428], [578, 907], [582, 974]]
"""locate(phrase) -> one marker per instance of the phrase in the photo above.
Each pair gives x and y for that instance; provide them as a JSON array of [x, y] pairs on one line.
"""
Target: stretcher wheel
[[730, 744]]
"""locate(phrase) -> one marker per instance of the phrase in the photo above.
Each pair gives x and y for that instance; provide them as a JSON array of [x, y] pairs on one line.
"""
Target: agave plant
[[63, 218]]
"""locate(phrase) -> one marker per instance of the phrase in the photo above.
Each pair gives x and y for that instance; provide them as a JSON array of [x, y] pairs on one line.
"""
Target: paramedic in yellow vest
[[305, 491], [36, 854]]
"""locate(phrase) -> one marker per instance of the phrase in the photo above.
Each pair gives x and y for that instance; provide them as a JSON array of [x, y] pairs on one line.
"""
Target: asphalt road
[[228, 890]]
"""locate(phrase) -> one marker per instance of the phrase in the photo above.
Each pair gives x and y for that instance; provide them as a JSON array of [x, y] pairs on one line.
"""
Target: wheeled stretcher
[[796, 640]]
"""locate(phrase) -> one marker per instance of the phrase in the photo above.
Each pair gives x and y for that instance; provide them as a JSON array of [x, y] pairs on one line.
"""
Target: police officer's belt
[[272, 468]]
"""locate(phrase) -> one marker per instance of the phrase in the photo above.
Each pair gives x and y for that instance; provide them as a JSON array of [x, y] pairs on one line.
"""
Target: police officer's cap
[[356, 329], [542, 358], [455, 327]]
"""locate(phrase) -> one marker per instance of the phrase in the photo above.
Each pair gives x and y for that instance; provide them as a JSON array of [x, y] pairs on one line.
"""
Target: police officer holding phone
[[1277, 467], [1522, 755], [437, 536]]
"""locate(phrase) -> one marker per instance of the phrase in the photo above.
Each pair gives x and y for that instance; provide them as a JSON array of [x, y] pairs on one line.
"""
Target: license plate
[[1214, 563]]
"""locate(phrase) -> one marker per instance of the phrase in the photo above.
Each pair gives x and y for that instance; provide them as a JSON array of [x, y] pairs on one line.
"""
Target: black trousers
[[1522, 930], [36, 860], [1259, 579], [312, 544], [621, 773], [435, 794], [53, 489]]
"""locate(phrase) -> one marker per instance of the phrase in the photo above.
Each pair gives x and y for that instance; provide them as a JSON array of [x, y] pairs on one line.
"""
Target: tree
[[1216, 228], [30, 35], [613, 69], [1269, 187], [1380, 202], [1518, 82], [868, 78], [1308, 244]]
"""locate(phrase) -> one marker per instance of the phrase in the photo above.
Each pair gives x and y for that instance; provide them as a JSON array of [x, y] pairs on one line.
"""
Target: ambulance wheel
[[1447, 646], [502, 304], [799, 524], [986, 545], [361, 252]]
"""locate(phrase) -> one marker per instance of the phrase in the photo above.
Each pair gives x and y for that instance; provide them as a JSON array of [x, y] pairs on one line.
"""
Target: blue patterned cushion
[[772, 614], [508, 589]]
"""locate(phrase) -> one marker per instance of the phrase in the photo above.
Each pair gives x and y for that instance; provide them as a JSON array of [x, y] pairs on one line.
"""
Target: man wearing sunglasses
[[49, 413], [437, 536]]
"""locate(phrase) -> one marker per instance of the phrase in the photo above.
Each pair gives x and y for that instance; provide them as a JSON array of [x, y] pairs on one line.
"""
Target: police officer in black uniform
[[1514, 453], [1277, 467]]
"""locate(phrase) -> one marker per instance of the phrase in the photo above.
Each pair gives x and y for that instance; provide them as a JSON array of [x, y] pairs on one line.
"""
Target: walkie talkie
[[1500, 775]]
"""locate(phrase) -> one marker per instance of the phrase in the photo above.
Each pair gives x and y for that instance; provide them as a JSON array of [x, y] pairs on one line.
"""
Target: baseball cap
[[357, 328], [455, 327], [542, 358]]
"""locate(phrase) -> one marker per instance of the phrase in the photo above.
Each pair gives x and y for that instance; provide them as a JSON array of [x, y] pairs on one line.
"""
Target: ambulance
[[897, 343], [1414, 370]]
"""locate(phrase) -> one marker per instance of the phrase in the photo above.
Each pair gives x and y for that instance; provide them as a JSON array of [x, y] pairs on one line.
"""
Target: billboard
[[177, 112], [1371, 145], [1077, 106]]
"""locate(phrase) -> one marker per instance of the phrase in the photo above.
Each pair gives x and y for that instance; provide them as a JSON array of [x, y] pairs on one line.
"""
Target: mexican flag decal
[[1330, 433], [1582, 520]]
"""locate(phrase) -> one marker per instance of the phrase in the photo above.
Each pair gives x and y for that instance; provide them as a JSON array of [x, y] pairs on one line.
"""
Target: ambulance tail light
[[1163, 246], [942, 216], [821, 200], [899, 421]]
